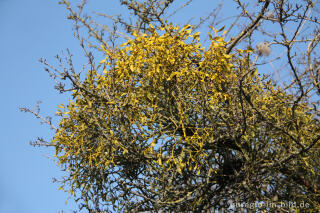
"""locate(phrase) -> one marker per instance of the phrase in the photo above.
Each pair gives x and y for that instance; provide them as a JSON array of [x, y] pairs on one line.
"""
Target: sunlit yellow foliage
[[159, 107], [149, 75]]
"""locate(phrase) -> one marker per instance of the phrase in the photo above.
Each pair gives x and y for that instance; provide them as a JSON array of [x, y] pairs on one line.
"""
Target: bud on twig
[[269, 15], [263, 49]]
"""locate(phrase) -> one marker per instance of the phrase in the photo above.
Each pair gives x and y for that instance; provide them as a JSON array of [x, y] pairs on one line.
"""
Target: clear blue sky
[[30, 30]]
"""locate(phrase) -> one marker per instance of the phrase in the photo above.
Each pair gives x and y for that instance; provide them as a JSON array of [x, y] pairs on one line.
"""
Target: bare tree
[[162, 124]]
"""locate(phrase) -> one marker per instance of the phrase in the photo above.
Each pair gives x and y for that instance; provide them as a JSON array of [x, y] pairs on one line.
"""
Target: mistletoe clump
[[163, 123]]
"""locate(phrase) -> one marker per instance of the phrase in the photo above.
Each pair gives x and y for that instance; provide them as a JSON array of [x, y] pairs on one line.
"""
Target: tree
[[165, 123]]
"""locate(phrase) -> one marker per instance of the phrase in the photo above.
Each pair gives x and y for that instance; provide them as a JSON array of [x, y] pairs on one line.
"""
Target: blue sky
[[30, 30]]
